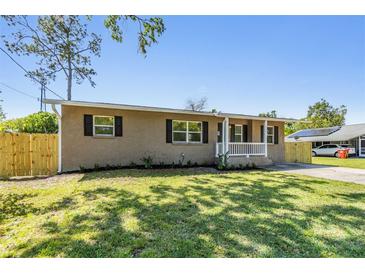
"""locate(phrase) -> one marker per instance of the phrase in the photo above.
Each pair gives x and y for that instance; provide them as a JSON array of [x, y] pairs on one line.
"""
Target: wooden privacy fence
[[300, 152], [23, 154]]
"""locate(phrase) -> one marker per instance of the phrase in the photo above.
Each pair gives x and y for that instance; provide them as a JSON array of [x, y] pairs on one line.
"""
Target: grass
[[333, 161], [181, 213]]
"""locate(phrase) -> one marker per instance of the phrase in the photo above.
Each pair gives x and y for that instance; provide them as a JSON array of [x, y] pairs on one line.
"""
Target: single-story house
[[114, 134], [348, 134]]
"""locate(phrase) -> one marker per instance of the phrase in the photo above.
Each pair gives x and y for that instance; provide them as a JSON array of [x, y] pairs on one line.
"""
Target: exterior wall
[[144, 134], [276, 152]]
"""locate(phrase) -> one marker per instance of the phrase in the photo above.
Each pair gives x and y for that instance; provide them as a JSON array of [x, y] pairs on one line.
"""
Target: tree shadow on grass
[[144, 173], [205, 217], [13, 205]]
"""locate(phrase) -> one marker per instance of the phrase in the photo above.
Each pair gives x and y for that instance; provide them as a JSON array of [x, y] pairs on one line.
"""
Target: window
[[270, 135], [186, 132], [103, 126], [237, 134]]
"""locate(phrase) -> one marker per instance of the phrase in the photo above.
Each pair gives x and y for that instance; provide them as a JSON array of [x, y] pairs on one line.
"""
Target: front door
[[362, 146]]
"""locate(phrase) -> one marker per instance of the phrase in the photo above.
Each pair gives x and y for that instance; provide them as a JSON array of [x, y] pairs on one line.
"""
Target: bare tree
[[196, 105]]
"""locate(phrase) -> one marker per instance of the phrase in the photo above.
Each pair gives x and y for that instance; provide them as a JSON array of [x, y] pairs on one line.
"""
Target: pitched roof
[[159, 109], [334, 134]]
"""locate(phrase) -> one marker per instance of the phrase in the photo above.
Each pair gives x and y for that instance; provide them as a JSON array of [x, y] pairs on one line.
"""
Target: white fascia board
[[166, 110]]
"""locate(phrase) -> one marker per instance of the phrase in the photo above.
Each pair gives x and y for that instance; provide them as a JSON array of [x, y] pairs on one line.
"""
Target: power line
[[19, 91], [27, 72]]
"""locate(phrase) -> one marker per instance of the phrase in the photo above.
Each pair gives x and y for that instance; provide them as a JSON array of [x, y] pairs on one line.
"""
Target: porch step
[[259, 161]]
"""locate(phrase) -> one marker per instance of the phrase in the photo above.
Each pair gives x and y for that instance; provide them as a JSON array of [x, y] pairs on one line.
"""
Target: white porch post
[[225, 138], [265, 137], [59, 116]]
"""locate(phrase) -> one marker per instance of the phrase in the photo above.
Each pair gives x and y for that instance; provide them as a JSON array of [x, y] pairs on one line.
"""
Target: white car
[[331, 150]]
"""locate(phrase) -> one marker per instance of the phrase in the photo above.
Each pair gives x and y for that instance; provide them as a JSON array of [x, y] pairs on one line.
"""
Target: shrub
[[181, 160], [40, 122], [147, 161], [222, 161]]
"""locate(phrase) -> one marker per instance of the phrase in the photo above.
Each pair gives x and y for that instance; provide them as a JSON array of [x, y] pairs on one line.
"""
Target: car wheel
[[314, 154], [336, 154]]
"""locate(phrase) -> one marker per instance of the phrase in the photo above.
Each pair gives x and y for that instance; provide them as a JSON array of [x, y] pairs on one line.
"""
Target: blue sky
[[242, 64]]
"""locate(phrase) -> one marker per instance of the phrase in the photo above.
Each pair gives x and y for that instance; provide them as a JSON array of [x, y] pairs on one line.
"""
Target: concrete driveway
[[321, 171]]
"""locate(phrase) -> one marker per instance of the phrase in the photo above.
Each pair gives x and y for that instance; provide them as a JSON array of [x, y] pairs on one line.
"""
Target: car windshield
[[345, 145]]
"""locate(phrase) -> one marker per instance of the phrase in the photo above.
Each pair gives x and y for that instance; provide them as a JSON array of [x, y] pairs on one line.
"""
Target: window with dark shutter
[[245, 133], [220, 132], [205, 132], [118, 126], [88, 125], [168, 131], [232, 130], [262, 133], [276, 135]]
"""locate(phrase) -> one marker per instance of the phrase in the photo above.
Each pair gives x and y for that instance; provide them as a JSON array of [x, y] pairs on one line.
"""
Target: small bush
[[147, 161], [181, 160], [222, 161]]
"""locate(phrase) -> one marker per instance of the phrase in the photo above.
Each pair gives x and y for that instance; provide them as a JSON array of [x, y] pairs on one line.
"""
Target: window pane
[[179, 137], [237, 138], [103, 130], [179, 125], [194, 137], [238, 129], [270, 130], [195, 126], [270, 139], [104, 120]]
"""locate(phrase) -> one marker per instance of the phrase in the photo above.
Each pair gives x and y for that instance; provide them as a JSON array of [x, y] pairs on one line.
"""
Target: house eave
[[165, 110]]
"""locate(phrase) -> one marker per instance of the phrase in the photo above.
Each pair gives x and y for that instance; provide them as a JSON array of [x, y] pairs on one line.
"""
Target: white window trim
[[187, 132], [240, 134], [273, 135], [95, 125]]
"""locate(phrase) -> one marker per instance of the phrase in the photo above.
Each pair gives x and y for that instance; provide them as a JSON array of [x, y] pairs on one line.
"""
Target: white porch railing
[[242, 149]]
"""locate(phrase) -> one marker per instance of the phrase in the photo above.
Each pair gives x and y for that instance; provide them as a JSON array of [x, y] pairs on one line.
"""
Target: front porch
[[225, 146]]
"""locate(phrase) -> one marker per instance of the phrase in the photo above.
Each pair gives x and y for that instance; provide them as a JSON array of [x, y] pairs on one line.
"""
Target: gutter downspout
[[59, 138]]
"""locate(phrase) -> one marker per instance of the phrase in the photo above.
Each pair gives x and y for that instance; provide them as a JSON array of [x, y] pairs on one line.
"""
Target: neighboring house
[[349, 134], [112, 134]]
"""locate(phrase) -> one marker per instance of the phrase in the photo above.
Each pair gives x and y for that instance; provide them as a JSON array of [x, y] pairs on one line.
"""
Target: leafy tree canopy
[[63, 44], [149, 29], [2, 114], [40, 122], [271, 114], [320, 115]]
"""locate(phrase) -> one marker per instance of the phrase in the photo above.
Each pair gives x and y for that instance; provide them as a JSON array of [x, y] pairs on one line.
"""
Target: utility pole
[[43, 94], [41, 97]]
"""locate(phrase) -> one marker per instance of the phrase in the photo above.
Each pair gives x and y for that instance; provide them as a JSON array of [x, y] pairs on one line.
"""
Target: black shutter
[[245, 133], [262, 134], [168, 131], [220, 127], [88, 125], [276, 135], [205, 132], [232, 133], [118, 126]]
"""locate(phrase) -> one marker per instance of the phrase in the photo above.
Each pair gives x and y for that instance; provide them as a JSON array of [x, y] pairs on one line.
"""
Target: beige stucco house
[[118, 135]]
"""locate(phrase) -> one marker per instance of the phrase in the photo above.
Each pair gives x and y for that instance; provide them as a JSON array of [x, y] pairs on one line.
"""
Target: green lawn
[[182, 213], [333, 161]]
